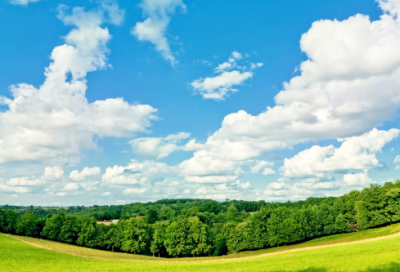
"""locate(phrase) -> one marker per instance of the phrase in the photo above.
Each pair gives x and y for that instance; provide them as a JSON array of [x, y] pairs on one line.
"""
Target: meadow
[[350, 253]]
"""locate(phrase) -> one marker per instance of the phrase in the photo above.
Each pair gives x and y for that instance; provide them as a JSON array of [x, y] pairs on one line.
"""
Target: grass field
[[368, 255]]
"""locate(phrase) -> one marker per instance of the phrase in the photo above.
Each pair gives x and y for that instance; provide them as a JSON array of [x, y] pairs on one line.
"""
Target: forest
[[198, 227]]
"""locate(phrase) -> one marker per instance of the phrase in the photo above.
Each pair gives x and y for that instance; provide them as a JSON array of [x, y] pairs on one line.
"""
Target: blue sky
[[112, 102]]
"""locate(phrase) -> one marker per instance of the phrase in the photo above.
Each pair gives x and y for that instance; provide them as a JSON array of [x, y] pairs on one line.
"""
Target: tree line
[[209, 229]]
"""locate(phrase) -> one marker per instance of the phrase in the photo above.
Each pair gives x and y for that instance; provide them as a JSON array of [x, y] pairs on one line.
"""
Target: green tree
[[70, 229], [2, 220], [88, 232], [135, 236], [11, 220], [53, 226], [187, 237], [157, 242], [28, 225], [232, 213], [151, 216]]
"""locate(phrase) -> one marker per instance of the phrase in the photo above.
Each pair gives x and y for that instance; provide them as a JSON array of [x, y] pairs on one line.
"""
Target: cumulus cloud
[[86, 172], [52, 173], [349, 84], [219, 86], [203, 168], [236, 190], [27, 184], [268, 172], [158, 13], [71, 187], [357, 179], [136, 172], [282, 191], [358, 152], [260, 165], [55, 120], [134, 191], [23, 2], [157, 147]]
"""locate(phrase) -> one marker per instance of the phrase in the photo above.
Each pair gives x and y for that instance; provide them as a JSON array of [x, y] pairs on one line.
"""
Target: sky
[[114, 102]]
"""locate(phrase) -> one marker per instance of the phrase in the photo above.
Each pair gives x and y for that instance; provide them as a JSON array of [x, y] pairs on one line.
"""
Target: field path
[[194, 260]]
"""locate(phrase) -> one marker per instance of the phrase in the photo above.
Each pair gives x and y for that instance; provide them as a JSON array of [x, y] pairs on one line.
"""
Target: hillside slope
[[373, 254]]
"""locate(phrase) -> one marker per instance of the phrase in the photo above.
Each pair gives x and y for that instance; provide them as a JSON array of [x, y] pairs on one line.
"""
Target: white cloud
[[71, 187], [25, 181], [349, 85], [219, 86], [236, 190], [106, 194], [357, 152], [281, 191], [55, 120], [27, 184], [89, 186], [268, 172], [203, 168], [23, 2], [86, 172], [157, 148], [397, 160], [260, 165], [52, 173], [154, 27], [136, 173], [134, 191], [357, 179]]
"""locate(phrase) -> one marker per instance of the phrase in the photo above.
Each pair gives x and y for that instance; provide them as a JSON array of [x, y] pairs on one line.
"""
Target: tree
[[28, 225], [187, 236], [88, 232], [11, 220], [53, 226], [157, 242], [135, 236], [166, 213], [70, 229], [393, 205], [232, 213], [2, 220], [151, 216]]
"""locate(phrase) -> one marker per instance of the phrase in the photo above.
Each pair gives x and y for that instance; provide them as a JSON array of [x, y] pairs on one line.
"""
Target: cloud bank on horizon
[[329, 118]]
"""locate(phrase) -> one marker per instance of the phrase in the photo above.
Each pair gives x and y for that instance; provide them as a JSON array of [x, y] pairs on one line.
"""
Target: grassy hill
[[347, 252]]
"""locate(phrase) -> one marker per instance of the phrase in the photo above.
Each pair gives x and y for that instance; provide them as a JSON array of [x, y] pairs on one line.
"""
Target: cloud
[[134, 191], [235, 190], [86, 172], [157, 148], [349, 84], [268, 172], [23, 2], [27, 184], [358, 152], [71, 187], [13, 189], [260, 165], [52, 173], [55, 120], [136, 172], [281, 191], [154, 27], [357, 179], [219, 86]]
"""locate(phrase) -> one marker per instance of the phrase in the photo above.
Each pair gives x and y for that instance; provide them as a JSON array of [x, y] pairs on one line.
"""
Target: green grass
[[378, 255]]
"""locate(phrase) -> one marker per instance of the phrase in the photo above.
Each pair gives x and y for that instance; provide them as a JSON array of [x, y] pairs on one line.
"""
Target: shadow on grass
[[387, 267], [391, 267]]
